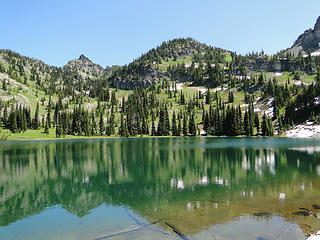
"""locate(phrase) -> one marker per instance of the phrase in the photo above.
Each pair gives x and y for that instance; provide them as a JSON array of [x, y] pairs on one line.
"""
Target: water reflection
[[194, 183]]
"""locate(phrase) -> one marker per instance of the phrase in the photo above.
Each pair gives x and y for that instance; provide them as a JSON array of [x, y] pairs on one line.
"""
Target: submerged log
[[177, 231]]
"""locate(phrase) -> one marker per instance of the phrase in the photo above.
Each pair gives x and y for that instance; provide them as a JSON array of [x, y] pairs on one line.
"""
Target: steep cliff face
[[317, 28], [308, 41]]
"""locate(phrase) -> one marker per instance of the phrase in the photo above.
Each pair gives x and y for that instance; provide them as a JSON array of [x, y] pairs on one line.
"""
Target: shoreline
[[136, 137], [299, 131]]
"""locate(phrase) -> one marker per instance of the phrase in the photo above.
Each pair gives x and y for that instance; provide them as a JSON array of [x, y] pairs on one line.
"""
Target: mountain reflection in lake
[[164, 188]]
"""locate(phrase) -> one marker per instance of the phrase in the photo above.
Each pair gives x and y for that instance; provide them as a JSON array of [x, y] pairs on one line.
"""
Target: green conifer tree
[[185, 125], [35, 121], [192, 126], [13, 121], [174, 124], [46, 128], [101, 125]]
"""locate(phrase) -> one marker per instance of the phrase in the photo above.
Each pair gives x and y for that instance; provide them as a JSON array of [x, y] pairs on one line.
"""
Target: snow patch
[[270, 101], [179, 87], [303, 131], [202, 90], [269, 112]]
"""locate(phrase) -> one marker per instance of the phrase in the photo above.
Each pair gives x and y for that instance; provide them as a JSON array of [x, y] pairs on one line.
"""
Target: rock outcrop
[[85, 67], [308, 41]]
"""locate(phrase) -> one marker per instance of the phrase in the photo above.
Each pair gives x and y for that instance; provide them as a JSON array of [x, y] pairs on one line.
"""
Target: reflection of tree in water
[[155, 177]]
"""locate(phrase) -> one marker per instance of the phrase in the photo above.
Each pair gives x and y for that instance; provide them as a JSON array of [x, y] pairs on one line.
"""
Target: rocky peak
[[85, 67], [84, 58], [308, 41], [317, 28]]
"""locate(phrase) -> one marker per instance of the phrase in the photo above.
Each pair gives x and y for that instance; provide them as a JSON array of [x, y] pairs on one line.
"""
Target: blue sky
[[117, 31]]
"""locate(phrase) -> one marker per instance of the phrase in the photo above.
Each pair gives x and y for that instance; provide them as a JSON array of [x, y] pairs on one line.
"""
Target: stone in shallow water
[[302, 213], [262, 214], [305, 209]]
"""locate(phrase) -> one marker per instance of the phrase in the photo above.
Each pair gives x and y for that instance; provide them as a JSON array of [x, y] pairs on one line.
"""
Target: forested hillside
[[180, 88]]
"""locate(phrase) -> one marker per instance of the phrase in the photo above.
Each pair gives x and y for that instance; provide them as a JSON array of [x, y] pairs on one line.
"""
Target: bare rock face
[[317, 29], [84, 58], [308, 41]]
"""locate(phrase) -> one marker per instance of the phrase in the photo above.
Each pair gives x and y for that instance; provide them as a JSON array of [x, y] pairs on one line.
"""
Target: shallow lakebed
[[160, 188]]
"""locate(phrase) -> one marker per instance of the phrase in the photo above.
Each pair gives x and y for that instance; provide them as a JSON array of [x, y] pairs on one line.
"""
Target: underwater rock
[[302, 213], [262, 214]]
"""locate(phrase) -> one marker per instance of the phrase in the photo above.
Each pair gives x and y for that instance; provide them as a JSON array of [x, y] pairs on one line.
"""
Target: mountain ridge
[[209, 88], [307, 42]]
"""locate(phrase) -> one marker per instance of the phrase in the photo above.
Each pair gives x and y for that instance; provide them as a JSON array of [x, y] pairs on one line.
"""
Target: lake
[[160, 188]]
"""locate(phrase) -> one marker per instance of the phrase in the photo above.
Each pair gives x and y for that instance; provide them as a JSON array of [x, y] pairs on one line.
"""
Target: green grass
[[288, 75], [308, 78], [32, 134], [39, 135], [122, 93], [177, 61], [190, 91], [164, 65], [228, 57], [284, 78], [238, 98]]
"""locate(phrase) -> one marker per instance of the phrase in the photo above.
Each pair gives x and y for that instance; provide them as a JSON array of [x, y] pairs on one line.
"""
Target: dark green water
[[208, 188]]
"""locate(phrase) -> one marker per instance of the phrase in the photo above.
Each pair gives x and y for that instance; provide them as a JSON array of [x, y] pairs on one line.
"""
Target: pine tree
[[101, 125], [4, 85], [58, 127], [247, 124], [185, 126], [23, 120], [192, 126], [182, 98], [46, 128], [121, 129], [125, 130], [179, 125], [93, 125], [5, 117], [230, 97], [264, 125], [270, 127], [206, 122], [261, 79], [160, 131], [257, 122], [49, 112], [35, 121], [208, 97], [153, 128], [13, 122], [174, 124], [167, 122], [239, 129], [49, 118]]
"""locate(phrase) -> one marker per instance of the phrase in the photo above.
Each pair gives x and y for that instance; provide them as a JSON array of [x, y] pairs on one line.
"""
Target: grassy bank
[[40, 135]]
